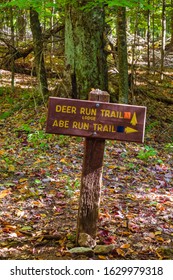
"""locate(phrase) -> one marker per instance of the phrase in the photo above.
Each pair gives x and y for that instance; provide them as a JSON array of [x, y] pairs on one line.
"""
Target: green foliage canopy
[[38, 4], [23, 4]]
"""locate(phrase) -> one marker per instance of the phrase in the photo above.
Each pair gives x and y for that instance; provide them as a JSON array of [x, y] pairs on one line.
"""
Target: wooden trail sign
[[96, 119]]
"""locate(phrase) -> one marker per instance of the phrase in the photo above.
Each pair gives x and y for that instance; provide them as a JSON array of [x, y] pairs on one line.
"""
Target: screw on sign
[[95, 119]]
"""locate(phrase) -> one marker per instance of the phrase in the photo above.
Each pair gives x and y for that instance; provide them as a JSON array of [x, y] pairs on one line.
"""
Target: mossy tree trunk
[[13, 46], [84, 49], [171, 24], [38, 52], [122, 55]]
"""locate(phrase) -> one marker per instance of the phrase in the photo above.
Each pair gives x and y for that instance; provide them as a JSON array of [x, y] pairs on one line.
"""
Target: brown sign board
[[96, 119]]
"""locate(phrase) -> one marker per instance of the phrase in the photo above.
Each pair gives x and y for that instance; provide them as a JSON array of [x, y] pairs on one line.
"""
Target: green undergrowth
[[26, 122]]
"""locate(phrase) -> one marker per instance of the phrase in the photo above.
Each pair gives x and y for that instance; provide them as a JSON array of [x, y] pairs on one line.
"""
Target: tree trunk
[[122, 55], [52, 47], [171, 24], [133, 71], [153, 35], [163, 36], [84, 49], [21, 25], [148, 36], [38, 52], [13, 46]]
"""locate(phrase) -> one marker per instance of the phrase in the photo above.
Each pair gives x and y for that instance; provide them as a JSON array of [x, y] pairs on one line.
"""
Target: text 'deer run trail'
[[96, 119]]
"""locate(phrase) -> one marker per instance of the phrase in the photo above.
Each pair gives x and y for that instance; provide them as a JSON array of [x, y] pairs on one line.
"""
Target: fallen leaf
[[13, 234], [101, 257], [160, 239], [158, 232], [4, 193], [11, 168], [23, 180], [2, 152], [112, 166], [58, 254], [151, 235], [9, 228], [125, 246], [20, 213], [26, 228], [43, 215], [120, 252], [63, 160], [37, 181]]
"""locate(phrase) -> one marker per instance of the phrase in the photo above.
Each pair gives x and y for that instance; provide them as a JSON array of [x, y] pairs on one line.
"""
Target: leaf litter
[[40, 188]]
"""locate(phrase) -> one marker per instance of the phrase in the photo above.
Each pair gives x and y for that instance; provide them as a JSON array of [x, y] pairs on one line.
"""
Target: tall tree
[[38, 52], [148, 35], [122, 55], [21, 24], [84, 48], [163, 36], [172, 24], [153, 36], [13, 46]]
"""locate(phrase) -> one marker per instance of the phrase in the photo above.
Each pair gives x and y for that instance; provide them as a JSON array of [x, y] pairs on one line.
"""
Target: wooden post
[[91, 180]]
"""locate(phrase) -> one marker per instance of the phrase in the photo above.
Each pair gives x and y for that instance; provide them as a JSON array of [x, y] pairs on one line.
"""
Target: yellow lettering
[[95, 126], [80, 125], [66, 124], [58, 108], [113, 128], [88, 118], [107, 113], [61, 123], [104, 128], [111, 114], [73, 110], [82, 111], [88, 111], [93, 112], [102, 112], [86, 126], [55, 123], [66, 109], [109, 128], [120, 115], [99, 127]]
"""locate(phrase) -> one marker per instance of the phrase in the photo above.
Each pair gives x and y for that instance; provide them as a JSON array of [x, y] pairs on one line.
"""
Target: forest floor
[[40, 182]]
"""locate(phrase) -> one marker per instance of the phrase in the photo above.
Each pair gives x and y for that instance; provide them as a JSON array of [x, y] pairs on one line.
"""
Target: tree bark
[[148, 36], [84, 49], [153, 35], [171, 43], [163, 36], [38, 52], [122, 55], [133, 74], [13, 45]]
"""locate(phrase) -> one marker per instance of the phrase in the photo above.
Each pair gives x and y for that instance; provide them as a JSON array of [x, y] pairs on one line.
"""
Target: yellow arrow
[[134, 119], [130, 130]]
